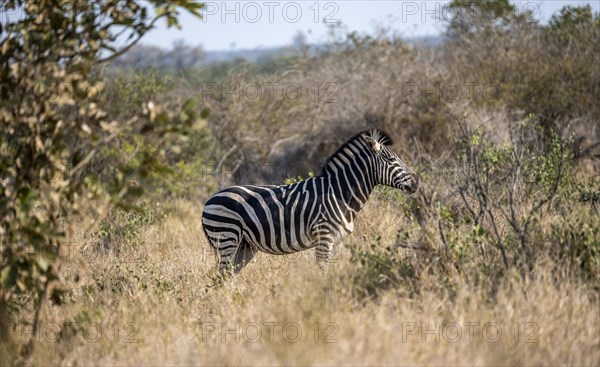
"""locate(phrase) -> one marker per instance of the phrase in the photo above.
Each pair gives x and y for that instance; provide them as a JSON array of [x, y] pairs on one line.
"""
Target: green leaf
[[189, 104], [42, 263], [205, 112], [8, 277]]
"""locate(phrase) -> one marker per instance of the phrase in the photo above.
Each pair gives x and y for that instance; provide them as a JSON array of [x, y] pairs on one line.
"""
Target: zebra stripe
[[318, 212]]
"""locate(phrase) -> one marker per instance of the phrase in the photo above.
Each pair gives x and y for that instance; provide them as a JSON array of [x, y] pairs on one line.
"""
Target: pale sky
[[231, 25]]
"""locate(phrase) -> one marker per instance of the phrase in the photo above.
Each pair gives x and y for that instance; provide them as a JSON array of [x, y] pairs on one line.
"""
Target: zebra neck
[[351, 187]]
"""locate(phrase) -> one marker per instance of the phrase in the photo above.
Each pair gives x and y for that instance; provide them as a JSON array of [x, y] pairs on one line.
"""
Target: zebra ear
[[373, 144]]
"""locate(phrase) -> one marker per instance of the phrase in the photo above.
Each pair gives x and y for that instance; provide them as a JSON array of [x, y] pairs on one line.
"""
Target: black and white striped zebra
[[317, 212]]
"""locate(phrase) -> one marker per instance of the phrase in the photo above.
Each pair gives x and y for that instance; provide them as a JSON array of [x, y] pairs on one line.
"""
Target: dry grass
[[148, 294], [158, 305]]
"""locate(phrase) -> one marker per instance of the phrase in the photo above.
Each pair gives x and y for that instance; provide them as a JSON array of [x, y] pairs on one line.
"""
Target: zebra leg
[[245, 253], [323, 252], [227, 250]]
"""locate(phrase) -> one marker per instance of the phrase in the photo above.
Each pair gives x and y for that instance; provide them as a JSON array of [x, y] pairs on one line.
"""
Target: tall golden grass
[[161, 304]]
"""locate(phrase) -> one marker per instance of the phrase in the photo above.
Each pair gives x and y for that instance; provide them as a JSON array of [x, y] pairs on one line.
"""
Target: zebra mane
[[379, 136]]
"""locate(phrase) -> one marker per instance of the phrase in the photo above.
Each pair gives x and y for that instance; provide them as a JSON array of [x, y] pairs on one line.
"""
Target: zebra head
[[389, 168]]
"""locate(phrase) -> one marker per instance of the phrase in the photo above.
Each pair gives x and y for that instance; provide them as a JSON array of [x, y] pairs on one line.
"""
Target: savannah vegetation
[[104, 170]]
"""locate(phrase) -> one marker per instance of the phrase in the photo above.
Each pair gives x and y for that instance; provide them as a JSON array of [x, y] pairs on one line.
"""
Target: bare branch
[[129, 46]]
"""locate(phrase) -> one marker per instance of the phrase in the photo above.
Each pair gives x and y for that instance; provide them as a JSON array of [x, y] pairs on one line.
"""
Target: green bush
[[378, 268], [576, 239]]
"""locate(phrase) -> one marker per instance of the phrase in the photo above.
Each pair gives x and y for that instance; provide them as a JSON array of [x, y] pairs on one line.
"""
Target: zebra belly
[[284, 240]]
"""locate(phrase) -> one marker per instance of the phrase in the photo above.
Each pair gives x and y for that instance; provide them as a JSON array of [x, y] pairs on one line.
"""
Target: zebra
[[318, 212]]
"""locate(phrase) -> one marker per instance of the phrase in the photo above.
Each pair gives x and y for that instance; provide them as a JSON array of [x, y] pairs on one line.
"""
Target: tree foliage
[[53, 125], [573, 17], [471, 16]]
